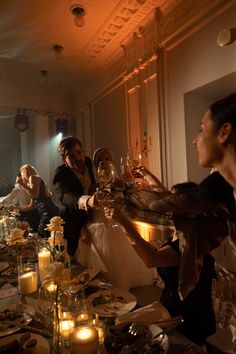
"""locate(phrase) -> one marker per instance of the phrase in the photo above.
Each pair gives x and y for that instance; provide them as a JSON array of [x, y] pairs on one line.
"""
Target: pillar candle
[[28, 283], [44, 260]]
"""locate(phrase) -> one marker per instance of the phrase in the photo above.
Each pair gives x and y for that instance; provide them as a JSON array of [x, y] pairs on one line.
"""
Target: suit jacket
[[69, 189]]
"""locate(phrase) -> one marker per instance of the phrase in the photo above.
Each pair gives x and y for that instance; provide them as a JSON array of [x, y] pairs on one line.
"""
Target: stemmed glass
[[104, 197]]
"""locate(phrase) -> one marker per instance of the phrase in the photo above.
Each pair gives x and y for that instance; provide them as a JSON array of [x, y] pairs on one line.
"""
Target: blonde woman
[[41, 198]]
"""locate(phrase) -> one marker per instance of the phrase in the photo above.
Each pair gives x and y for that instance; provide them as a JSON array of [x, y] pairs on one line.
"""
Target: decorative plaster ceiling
[[29, 29]]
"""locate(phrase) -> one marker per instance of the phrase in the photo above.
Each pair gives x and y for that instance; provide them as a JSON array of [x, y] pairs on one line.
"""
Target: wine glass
[[105, 173], [125, 170], [105, 200]]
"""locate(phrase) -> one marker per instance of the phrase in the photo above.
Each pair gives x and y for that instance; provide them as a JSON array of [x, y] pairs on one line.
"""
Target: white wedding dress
[[111, 253]]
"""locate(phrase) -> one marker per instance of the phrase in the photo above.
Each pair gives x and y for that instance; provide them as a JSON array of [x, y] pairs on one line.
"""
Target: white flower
[[57, 272], [16, 235], [56, 238]]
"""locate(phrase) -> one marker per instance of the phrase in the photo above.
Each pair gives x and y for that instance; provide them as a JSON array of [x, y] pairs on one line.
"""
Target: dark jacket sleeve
[[67, 186]]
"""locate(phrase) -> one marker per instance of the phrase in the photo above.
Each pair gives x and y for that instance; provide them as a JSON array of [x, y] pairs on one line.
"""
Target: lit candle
[[66, 327], [84, 340], [44, 260], [28, 283], [52, 288], [100, 328], [82, 317]]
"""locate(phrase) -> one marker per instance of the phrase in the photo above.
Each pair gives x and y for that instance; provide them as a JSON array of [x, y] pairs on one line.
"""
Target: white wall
[[193, 63], [109, 122]]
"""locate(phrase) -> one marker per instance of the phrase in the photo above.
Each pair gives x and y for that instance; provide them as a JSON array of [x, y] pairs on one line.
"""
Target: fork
[[137, 328]]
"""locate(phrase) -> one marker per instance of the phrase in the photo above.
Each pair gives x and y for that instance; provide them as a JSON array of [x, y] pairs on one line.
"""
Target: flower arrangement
[[56, 241]]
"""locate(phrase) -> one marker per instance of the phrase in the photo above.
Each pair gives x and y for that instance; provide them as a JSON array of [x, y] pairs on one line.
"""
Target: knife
[[43, 332]]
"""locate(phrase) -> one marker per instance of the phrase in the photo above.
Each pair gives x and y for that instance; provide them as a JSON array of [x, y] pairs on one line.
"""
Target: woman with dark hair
[[73, 182], [216, 144]]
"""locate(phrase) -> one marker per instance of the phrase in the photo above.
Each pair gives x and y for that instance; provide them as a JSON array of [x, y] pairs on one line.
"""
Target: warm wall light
[[61, 126], [21, 121], [79, 12]]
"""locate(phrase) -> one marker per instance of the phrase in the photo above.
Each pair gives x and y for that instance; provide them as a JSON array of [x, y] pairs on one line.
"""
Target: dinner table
[[42, 325]]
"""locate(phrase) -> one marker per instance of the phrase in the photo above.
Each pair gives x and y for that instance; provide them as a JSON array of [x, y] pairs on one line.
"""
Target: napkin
[[151, 313]]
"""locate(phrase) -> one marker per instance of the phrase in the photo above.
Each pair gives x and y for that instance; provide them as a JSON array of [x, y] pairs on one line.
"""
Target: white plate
[[24, 320], [42, 346], [122, 303]]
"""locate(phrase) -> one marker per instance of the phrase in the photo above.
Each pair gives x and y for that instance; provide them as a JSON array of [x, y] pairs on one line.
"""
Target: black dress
[[46, 209], [196, 309]]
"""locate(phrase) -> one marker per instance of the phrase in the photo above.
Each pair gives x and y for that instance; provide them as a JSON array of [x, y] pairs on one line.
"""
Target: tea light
[[28, 283], [83, 317], [52, 288], [44, 260], [66, 327], [84, 340]]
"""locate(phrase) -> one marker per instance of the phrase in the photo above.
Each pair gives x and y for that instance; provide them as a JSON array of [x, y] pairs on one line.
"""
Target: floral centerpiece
[[56, 241]]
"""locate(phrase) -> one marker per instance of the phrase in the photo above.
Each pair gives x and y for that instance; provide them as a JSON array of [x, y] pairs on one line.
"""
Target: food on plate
[[120, 341], [9, 318], [107, 298], [81, 278], [24, 344], [10, 272]]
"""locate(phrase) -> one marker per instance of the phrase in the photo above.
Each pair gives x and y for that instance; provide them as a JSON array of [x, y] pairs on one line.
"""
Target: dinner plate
[[119, 338], [110, 302], [78, 282], [42, 345], [16, 325]]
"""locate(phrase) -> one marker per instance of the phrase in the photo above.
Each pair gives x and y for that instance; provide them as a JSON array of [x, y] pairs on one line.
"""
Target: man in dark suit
[[73, 182]]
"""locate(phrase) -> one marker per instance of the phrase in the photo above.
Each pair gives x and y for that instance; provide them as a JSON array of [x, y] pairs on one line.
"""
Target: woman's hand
[[20, 181]]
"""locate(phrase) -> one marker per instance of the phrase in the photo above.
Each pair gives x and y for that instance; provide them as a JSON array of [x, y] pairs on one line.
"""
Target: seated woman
[[110, 250], [41, 199], [194, 210], [18, 198]]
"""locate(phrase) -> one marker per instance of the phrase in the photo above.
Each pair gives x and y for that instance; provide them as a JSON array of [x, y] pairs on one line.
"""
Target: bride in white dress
[[109, 250]]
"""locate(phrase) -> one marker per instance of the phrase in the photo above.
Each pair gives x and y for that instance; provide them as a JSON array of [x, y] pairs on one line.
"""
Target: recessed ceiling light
[[79, 12]]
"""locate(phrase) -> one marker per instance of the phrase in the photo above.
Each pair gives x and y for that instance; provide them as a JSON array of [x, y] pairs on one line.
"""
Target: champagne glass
[[125, 170], [106, 200], [105, 173]]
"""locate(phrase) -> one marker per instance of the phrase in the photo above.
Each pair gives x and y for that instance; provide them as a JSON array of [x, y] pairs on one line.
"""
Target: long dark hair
[[224, 110]]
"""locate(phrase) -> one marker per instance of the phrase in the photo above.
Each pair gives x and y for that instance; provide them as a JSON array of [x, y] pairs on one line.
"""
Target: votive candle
[[84, 340]]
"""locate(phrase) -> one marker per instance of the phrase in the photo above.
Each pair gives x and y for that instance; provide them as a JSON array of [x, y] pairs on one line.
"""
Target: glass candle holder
[[84, 340], [44, 260], [27, 278], [66, 326]]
